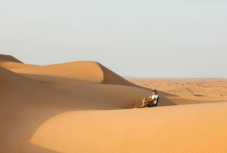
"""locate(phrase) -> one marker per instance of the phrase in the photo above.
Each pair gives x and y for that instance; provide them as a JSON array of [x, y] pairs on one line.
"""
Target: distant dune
[[83, 107], [9, 62]]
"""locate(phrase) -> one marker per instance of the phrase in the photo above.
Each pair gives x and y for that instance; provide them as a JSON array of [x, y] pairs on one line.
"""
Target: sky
[[143, 38]]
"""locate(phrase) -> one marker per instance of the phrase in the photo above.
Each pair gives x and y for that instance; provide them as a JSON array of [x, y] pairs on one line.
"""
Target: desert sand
[[186, 87], [9, 62], [83, 107]]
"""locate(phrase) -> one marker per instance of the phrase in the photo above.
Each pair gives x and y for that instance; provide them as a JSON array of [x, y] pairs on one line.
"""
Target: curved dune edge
[[86, 71], [13, 65], [109, 77], [164, 129]]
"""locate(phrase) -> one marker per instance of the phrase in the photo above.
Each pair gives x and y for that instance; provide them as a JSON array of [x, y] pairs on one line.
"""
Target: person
[[152, 101]]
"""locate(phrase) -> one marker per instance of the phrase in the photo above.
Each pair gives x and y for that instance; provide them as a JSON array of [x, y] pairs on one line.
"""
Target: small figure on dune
[[152, 101]]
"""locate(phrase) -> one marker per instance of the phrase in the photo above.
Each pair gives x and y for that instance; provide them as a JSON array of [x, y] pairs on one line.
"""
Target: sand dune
[[165, 129], [9, 62], [26, 104], [83, 107], [85, 71], [89, 75]]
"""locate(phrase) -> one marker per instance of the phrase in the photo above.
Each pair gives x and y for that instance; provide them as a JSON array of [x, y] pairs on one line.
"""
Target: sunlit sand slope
[[175, 129], [9, 62], [73, 73], [197, 100], [59, 73]]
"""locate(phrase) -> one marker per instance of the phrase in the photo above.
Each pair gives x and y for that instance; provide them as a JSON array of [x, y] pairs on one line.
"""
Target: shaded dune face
[[112, 78], [118, 95], [9, 58], [83, 107]]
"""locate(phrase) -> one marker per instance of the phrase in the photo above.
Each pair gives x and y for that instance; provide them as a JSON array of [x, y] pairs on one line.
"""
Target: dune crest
[[84, 71], [10, 62]]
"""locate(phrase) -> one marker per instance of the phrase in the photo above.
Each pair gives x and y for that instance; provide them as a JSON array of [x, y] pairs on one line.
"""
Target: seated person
[[152, 101]]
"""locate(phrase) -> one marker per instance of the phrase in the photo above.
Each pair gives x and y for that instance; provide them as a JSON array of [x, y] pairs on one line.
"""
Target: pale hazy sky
[[139, 38]]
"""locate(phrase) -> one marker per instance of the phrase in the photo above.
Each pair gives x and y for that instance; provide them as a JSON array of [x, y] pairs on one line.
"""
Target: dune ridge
[[10, 62], [86, 71]]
